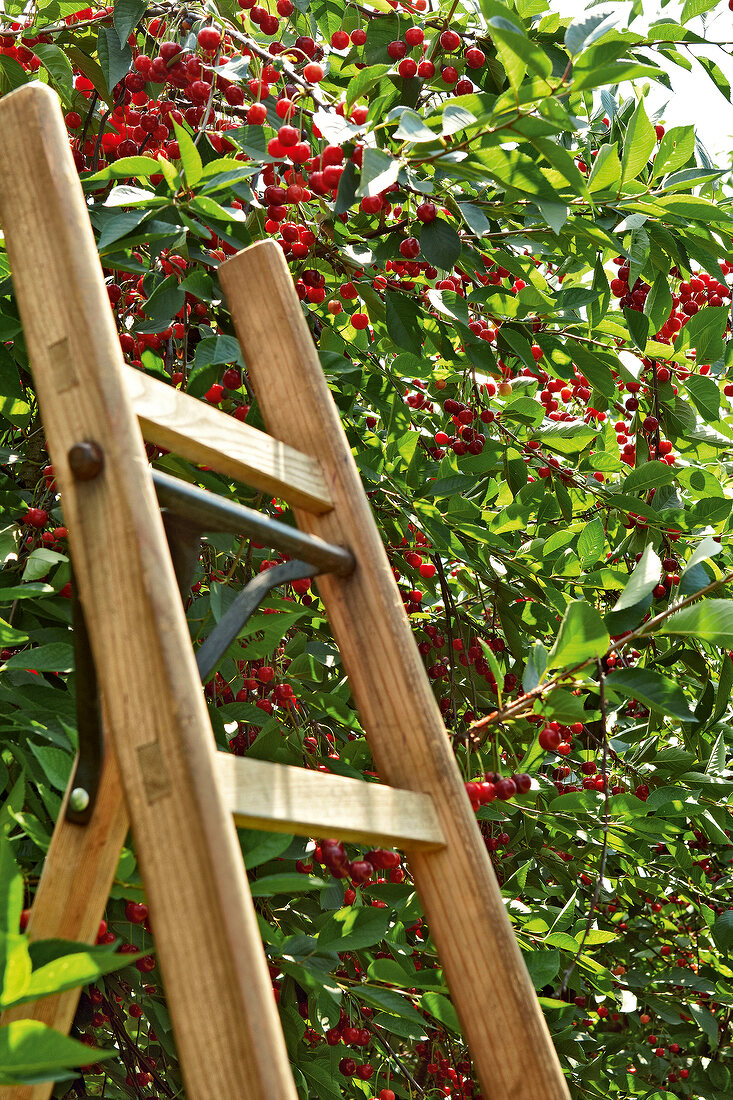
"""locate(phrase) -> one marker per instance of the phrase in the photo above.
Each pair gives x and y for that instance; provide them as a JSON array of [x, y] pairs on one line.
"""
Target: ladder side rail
[[490, 987], [224, 1015], [71, 897]]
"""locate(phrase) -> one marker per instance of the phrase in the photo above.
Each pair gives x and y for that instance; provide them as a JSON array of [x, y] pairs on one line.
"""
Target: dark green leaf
[[440, 244]]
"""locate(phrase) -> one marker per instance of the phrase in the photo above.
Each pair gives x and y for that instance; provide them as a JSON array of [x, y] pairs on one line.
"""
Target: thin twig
[[604, 849]]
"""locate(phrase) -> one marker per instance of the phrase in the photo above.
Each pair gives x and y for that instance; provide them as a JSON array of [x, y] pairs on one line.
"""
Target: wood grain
[[208, 437], [71, 898], [286, 799], [224, 1015], [491, 990]]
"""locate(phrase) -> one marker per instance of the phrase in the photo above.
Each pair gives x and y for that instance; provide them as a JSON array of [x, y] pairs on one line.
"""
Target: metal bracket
[[187, 512], [246, 602]]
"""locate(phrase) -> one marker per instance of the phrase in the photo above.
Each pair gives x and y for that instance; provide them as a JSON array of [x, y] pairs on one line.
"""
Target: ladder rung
[[282, 798], [208, 437]]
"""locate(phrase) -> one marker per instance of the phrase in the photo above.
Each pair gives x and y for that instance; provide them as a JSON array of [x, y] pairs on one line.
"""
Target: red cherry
[[396, 49], [35, 517], [475, 58], [136, 912], [410, 248], [313, 72], [288, 136], [505, 789], [257, 114], [427, 212], [549, 739], [340, 40], [407, 68], [414, 36], [209, 39], [358, 37], [450, 41]]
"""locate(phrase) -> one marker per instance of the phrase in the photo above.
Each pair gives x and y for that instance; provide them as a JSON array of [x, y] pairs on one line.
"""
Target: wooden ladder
[[161, 772]]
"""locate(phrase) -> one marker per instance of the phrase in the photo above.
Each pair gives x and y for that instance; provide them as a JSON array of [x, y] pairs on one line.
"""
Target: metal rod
[[211, 513], [247, 601], [88, 765]]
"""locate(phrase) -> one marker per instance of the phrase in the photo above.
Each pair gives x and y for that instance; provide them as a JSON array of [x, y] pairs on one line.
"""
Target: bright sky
[[694, 98]]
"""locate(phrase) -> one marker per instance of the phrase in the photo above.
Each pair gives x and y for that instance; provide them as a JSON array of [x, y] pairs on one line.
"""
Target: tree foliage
[[516, 280]]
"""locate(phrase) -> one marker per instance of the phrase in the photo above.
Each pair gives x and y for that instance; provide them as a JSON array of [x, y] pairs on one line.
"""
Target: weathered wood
[[207, 437], [224, 1014], [491, 990], [286, 799], [71, 898]]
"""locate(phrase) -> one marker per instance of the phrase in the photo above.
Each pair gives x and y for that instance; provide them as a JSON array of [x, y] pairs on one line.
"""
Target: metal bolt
[[86, 460], [79, 800]]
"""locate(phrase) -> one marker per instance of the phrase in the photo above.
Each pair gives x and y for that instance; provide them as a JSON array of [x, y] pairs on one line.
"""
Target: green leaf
[[440, 1008], [591, 541], [707, 621], [659, 302], [287, 882], [55, 61], [363, 81], [68, 971], [54, 657], [440, 244], [704, 331], [31, 1051], [606, 171], [693, 8], [127, 14], [190, 157], [708, 548], [259, 847], [652, 689], [115, 60], [638, 144], [11, 889], [9, 636], [638, 325], [675, 149], [582, 635], [412, 128], [566, 438], [644, 578], [354, 929], [649, 476], [582, 33], [705, 395], [723, 932], [403, 321], [378, 170]]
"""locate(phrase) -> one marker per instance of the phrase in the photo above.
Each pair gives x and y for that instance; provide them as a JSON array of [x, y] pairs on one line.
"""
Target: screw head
[[79, 800], [86, 460]]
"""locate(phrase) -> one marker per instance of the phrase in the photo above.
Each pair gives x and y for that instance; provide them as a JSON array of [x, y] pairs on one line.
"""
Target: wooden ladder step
[[282, 798], [208, 437]]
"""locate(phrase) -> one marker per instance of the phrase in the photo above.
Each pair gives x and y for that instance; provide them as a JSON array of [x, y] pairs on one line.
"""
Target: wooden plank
[[286, 799], [71, 899], [491, 989], [208, 437], [224, 1015]]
